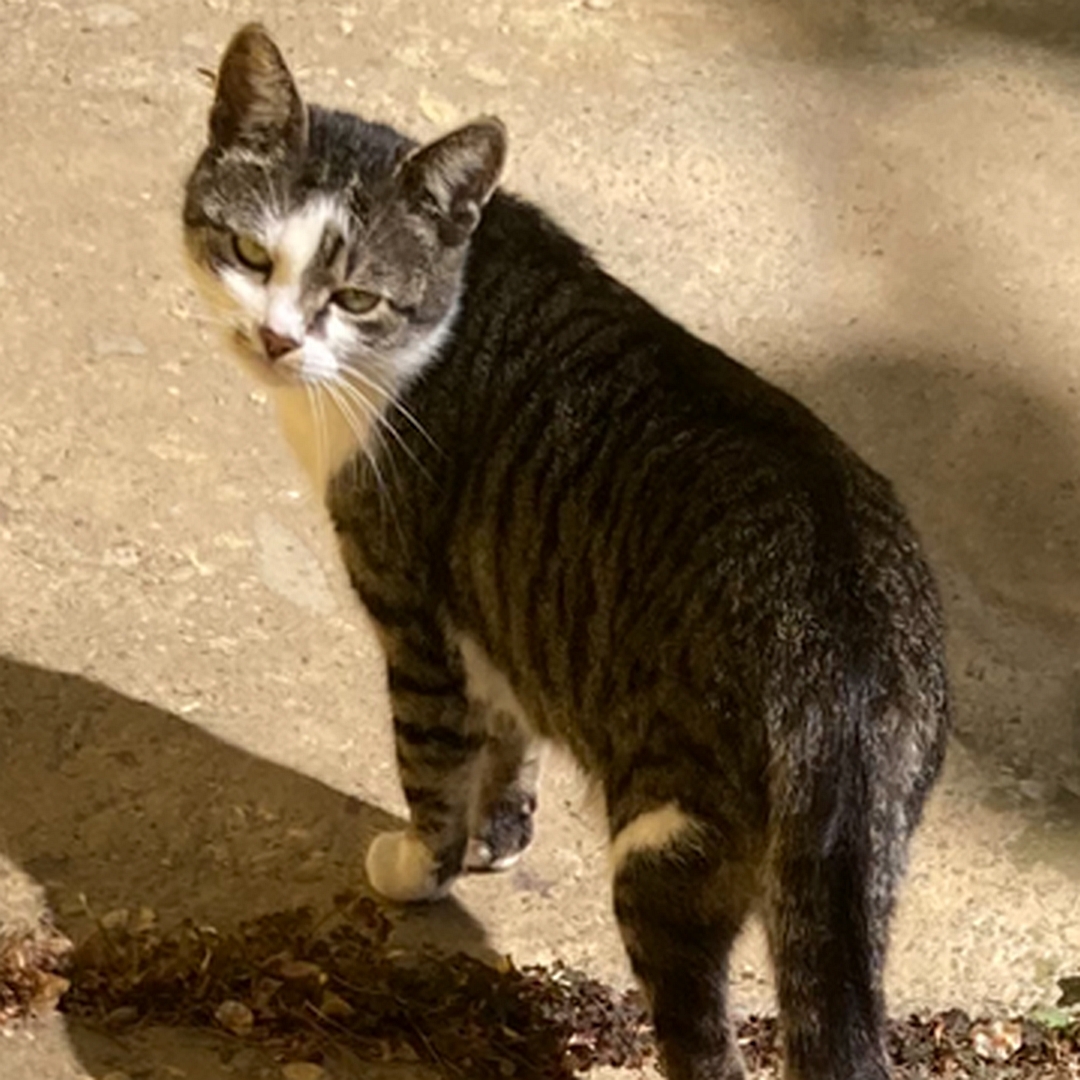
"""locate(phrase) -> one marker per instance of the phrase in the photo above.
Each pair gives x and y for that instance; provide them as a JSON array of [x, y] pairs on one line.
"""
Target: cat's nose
[[275, 344]]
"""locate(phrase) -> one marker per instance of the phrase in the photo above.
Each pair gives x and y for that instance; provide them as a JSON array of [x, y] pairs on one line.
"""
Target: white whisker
[[383, 421], [212, 320], [318, 411], [383, 424], [359, 425], [379, 425], [347, 400], [391, 400]]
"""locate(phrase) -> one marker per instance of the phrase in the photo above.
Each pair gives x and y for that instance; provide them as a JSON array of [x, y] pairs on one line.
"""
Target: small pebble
[[115, 919], [235, 1016], [1036, 790], [436, 108], [145, 918], [301, 969], [310, 870], [302, 1070], [997, 1041], [337, 1007], [116, 345], [108, 16], [122, 1017], [489, 76]]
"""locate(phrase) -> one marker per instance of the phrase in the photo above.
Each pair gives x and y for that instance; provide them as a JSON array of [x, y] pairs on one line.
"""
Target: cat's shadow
[[850, 30], [110, 803], [986, 462]]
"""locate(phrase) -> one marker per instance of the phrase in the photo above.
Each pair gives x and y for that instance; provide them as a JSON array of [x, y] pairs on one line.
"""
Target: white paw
[[401, 868], [479, 857]]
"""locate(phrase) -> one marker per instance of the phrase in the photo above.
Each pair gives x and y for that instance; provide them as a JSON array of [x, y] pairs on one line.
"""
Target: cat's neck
[[326, 429], [319, 433], [518, 254]]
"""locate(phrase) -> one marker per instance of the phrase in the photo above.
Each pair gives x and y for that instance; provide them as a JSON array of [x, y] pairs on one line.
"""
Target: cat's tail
[[846, 793]]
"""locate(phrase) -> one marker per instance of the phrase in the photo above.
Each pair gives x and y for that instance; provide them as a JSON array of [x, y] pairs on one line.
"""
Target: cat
[[571, 520]]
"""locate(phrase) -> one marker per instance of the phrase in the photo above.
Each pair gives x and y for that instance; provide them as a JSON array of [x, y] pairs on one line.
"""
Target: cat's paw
[[480, 858], [402, 868], [504, 835]]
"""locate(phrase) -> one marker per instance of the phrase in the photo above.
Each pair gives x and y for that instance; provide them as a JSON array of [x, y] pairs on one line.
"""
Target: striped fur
[[580, 523]]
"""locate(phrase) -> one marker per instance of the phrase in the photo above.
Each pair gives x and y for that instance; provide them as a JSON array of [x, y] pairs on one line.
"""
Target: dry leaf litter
[[310, 988]]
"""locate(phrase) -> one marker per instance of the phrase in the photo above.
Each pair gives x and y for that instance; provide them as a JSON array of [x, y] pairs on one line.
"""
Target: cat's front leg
[[504, 793], [438, 740]]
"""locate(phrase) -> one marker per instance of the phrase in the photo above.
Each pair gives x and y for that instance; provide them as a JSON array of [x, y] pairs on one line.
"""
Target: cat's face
[[332, 248]]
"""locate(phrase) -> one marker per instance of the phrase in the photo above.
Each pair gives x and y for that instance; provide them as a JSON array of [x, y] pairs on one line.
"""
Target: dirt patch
[[313, 989]]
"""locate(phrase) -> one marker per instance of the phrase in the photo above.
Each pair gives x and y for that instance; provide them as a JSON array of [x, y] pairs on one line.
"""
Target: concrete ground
[[873, 201]]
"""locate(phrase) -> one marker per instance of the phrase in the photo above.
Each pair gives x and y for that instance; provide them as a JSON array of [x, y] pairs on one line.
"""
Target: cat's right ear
[[256, 103], [453, 178]]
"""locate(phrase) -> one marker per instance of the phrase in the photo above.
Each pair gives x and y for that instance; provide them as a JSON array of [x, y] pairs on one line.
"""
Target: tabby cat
[[571, 520]]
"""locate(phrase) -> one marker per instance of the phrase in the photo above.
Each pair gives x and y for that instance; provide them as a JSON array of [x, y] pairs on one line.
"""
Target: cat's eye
[[252, 254], [356, 301]]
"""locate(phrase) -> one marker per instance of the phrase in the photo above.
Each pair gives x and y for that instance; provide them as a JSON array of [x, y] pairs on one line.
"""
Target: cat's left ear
[[455, 176], [257, 104]]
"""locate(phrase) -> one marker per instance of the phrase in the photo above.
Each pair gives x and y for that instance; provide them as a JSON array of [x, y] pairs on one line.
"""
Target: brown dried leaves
[[309, 989], [30, 965]]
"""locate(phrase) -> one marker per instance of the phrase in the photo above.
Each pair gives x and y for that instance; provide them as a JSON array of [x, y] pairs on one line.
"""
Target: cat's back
[[540, 315], [581, 388], [613, 478]]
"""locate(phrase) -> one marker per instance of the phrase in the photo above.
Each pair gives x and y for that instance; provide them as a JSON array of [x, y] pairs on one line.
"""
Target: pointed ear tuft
[[453, 178], [257, 104]]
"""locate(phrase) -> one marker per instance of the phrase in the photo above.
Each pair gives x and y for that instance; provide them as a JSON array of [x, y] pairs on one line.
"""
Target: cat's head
[[333, 248]]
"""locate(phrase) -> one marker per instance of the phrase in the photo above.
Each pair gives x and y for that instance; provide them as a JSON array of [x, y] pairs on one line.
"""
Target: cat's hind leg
[[680, 900], [504, 794]]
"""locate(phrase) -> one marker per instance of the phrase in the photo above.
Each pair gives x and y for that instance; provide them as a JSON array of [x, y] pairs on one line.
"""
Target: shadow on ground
[[1053, 24], [111, 803], [903, 32], [988, 467]]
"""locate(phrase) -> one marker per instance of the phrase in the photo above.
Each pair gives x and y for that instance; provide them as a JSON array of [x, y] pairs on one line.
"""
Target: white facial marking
[[408, 364], [283, 313], [401, 868], [248, 293], [318, 362], [652, 832], [315, 397], [485, 683], [292, 243], [295, 240]]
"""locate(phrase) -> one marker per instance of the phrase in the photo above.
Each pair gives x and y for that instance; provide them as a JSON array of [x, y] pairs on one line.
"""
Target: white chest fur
[[486, 684], [322, 437]]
